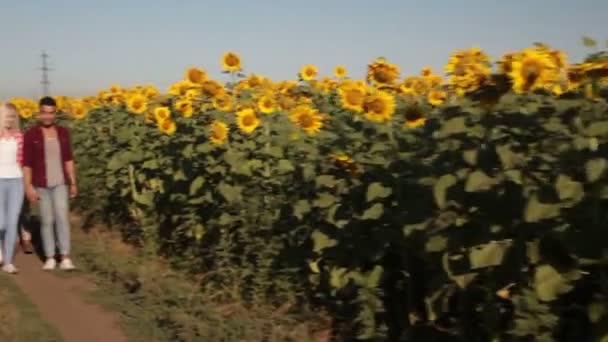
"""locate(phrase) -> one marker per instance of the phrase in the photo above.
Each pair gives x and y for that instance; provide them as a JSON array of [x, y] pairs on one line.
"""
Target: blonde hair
[[5, 109]]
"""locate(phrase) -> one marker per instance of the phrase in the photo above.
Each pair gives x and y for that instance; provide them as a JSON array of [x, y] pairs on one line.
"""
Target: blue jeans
[[54, 213], [11, 201]]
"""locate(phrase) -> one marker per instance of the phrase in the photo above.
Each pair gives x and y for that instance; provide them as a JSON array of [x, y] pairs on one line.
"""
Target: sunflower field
[[467, 205]]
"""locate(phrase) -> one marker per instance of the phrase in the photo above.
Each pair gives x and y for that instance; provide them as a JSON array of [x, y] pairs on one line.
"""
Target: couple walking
[[38, 164]]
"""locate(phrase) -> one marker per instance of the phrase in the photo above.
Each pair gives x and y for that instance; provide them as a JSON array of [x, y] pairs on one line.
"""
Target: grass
[[160, 304], [20, 320]]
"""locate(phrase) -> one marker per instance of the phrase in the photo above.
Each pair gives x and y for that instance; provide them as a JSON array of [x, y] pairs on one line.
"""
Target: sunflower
[[231, 62], [379, 106], [247, 120], [532, 70], [196, 75], [78, 109], [380, 72], [223, 102], [344, 162], [180, 88], [309, 72], [414, 117], [340, 71], [162, 113], [266, 104], [218, 132], [137, 103], [426, 71], [307, 118], [413, 86], [193, 94], [116, 89], [212, 88], [185, 107], [352, 96], [167, 126], [437, 97]]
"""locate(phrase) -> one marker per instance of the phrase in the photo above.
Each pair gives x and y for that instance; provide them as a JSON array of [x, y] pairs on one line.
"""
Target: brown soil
[[61, 302]]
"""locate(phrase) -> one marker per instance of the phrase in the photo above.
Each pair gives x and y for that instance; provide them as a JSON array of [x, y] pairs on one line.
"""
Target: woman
[[11, 182]]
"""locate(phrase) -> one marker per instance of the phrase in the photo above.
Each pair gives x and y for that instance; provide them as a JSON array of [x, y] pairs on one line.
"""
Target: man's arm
[[27, 168]]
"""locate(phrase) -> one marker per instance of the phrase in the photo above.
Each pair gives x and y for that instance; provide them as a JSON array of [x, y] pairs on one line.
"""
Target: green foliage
[[464, 202]]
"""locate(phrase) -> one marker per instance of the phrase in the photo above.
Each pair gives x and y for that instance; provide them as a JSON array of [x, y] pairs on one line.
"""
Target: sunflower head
[[185, 107], [267, 104], [223, 102], [309, 72], [167, 126], [137, 103], [306, 118], [195, 75], [379, 106], [340, 71], [231, 62], [247, 120], [218, 132], [414, 117], [437, 97], [352, 96], [533, 70], [78, 109], [162, 113], [380, 72]]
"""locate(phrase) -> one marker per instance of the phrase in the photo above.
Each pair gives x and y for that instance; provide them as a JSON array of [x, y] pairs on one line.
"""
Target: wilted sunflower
[[162, 113], [247, 120], [137, 103], [340, 71], [231, 62], [437, 97], [379, 106], [307, 118], [223, 102], [414, 117], [218, 132], [380, 72], [196, 75], [185, 107], [532, 70], [167, 126], [267, 104], [309, 72]]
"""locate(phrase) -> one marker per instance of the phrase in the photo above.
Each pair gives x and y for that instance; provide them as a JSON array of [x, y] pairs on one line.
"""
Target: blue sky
[[96, 43]]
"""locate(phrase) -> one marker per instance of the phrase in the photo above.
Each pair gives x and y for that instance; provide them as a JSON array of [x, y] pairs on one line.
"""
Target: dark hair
[[47, 101]]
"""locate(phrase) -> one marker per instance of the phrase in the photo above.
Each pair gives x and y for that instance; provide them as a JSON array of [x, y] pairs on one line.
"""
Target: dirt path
[[61, 302]]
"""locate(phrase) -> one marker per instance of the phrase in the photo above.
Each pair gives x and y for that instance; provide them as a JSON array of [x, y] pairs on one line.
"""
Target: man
[[50, 180]]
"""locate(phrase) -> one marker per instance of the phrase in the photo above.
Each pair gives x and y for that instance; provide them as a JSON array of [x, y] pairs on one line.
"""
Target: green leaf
[[479, 181], [320, 241], [151, 164], [596, 311], [285, 166], [589, 42], [508, 158], [470, 156], [441, 187], [536, 211], [549, 284], [301, 208], [275, 151], [436, 244], [188, 151], [324, 200], [374, 212], [567, 189], [231, 193], [595, 169], [196, 184], [179, 175], [227, 219], [376, 190], [337, 278], [205, 148], [328, 181], [597, 129], [198, 231], [453, 126], [374, 277], [488, 255], [144, 198]]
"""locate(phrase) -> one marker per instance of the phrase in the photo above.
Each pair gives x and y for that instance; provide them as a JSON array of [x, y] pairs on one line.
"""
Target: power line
[[45, 82]]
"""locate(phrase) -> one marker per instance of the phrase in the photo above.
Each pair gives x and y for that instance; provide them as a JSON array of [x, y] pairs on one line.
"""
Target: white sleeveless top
[[9, 164]]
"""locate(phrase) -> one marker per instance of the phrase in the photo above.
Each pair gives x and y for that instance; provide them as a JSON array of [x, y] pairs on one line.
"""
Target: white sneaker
[[49, 264], [10, 268], [66, 264]]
